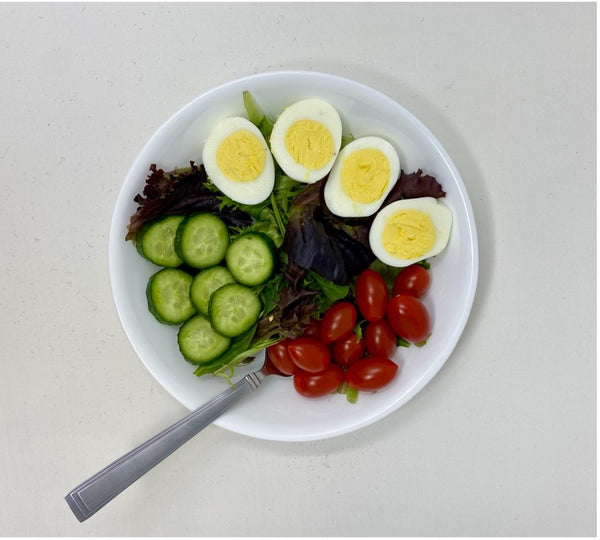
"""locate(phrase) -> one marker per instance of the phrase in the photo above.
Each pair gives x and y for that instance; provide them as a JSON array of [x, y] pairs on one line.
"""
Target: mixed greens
[[317, 255]]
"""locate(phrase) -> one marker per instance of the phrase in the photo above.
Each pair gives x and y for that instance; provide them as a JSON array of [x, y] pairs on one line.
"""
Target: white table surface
[[502, 442]]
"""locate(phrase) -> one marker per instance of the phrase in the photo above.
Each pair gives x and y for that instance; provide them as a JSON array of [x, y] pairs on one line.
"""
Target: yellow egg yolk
[[408, 234], [241, 157], [309, 143], [365, 175]]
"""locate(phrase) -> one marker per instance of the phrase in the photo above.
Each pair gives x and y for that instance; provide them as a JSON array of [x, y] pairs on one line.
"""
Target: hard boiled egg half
[[238, 161], [410, 230], [306, 139], [362, 177]]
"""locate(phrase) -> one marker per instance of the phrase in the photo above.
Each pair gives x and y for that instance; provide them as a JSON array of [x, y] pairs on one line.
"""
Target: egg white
[[307, 109], [440, 215], [336, 198], [249, 192]]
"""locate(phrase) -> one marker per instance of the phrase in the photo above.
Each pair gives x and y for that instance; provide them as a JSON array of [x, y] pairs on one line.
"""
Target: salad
[[294, 238]]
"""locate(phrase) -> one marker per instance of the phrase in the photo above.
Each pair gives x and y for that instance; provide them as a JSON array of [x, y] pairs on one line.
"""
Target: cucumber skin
[[179, 238], [138, 239], [152, 305]]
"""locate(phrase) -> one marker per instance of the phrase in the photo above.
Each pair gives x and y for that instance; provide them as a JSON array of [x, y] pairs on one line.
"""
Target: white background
[[502, 442]]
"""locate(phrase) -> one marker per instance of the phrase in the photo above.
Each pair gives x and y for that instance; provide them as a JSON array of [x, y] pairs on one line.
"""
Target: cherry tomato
[[318, 384], [380, 339], [348, 350], [371, 295], [280, 357], [270, 369], [409, 318], [371, 373], [309, 354], [413, 280], [314, 330], [339, 320]]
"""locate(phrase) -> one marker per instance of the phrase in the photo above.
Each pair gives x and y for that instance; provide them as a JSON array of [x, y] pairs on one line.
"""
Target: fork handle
[[90, 496]]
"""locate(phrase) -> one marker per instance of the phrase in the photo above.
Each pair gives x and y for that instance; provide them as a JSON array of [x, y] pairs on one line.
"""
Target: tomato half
[[371, 373], [348, 350], [309, 354], [318, 384], [371, 295], [380, 339], [409, 318], [280, 357], [413, 280], [339, 320]]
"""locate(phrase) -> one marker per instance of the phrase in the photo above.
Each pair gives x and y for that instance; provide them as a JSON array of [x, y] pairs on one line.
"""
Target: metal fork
[[90, 496]]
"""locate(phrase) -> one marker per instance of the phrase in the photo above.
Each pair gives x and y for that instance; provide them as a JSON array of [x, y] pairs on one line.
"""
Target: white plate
[[276, 411]]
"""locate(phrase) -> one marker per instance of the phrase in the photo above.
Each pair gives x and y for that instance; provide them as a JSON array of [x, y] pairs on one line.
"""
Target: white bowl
[[276, 411]]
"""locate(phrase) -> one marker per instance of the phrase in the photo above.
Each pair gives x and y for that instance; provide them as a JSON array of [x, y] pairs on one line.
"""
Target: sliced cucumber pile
[[209, 283]]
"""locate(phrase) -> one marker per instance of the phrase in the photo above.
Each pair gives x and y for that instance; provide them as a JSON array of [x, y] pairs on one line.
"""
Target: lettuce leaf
[[316, 240], [256, 115], [413, 185], [235, 355], [181, 191]]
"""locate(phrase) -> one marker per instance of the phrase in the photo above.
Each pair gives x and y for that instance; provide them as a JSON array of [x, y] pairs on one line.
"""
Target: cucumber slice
[[202, 240], [207, 282], [155, 241], [233, 309], [198, 341], [251, 258], [168, 294]]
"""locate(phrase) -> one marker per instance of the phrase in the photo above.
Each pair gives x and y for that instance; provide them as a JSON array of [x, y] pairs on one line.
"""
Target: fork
[[98, 490]]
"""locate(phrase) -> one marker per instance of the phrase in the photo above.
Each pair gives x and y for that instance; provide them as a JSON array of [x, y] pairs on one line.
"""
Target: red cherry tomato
[[339, 320], [318, 384], [270, 369], [371, 295], [314, 330], [309, 354], [280, 357], [409, 318], [348, 350], [413, 280], [380, 339], [371, 373]]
